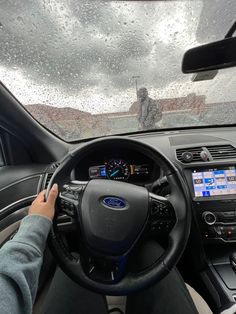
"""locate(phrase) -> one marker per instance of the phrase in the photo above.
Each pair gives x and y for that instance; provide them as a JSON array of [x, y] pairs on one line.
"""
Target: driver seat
[[201, 305], [199, 302], [120, 302]]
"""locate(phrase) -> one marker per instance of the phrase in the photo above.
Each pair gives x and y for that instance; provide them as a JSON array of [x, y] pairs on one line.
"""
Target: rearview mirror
[[217, 55]]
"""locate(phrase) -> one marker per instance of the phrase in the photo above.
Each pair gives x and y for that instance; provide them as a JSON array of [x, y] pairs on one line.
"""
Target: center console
[[213, 192]]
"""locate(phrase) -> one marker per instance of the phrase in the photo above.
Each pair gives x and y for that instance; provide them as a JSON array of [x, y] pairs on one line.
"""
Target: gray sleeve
[[20, 264]]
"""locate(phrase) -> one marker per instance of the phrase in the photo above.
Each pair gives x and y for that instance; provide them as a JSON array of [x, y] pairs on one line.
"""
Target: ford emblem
[[114, 202]]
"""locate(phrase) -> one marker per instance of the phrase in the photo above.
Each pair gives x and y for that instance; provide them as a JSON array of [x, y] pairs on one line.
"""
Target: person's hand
[[42, 207]]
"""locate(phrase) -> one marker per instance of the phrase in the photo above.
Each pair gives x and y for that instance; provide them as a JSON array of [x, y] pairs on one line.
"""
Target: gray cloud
[[100, 40], [73, 45], [216, 18]]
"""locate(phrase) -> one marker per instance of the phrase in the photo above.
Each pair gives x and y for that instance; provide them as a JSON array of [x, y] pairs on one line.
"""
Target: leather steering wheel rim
[[179, 198]]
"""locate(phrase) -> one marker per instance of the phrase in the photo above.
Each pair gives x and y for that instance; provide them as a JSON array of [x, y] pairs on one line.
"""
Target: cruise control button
[[161, 210], [158, 208], [72, 192], [69, 211], [67, 207], [154, 209]]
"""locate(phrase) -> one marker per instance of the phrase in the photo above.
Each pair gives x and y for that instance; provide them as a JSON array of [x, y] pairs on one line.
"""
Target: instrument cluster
[[119, 163], [119, 169]]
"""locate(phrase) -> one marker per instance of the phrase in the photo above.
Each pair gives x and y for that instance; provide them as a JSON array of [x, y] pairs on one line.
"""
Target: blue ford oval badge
[[114, 202]]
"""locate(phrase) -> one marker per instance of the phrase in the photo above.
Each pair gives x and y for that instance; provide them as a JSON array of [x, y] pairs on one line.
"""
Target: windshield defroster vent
[[222, 152]]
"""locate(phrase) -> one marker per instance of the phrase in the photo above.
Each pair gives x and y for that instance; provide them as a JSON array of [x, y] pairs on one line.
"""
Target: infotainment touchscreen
[[214, 182]]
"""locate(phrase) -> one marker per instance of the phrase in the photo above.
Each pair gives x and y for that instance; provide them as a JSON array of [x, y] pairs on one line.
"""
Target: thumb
[[53, 194]]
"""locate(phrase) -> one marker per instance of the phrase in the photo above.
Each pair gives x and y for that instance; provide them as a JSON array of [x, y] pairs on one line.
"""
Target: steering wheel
[[108, 219]]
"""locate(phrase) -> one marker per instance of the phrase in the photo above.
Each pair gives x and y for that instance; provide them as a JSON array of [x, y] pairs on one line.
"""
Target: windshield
[[93, 68]]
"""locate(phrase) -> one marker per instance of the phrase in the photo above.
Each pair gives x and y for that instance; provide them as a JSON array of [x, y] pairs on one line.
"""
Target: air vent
[[48, 178], [54, 166], [50, 170], [195, 151], [222, 152]]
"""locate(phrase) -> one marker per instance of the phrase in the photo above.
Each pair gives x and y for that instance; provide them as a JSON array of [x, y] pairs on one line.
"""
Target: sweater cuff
[[34, 230]]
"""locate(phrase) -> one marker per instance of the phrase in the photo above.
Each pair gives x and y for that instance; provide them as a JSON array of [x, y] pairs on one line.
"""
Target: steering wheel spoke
[[66, 223], [162, 215], [106, 270], [70, 197]]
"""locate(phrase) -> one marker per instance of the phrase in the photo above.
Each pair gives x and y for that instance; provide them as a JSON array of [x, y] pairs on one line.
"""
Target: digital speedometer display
[[117, 169]]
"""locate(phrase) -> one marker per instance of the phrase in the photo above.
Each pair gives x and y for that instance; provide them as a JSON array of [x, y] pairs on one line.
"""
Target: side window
[[12, 150]]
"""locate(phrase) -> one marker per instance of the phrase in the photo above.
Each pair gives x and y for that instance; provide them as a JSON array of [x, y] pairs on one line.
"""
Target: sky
[[83, 54]]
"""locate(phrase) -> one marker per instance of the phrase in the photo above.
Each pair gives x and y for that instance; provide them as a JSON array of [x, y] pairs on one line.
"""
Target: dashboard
[[206, 161]]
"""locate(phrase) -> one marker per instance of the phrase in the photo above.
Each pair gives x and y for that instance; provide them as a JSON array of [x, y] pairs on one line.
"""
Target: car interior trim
[[25, 179], [28, 198]]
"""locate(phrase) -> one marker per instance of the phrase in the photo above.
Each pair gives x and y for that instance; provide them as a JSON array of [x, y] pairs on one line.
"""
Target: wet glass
[[91, 68]]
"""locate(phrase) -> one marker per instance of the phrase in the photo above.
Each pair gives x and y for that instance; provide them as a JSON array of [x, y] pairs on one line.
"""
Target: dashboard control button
[[187, 156], [229, 232], [209, 218], [219, 231], [227, 215], [210, 233]]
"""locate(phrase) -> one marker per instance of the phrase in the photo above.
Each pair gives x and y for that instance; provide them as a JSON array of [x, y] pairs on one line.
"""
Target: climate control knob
[[209, 218]]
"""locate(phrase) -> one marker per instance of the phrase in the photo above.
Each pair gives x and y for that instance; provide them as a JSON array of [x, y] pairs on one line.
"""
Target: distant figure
[[149, 112]]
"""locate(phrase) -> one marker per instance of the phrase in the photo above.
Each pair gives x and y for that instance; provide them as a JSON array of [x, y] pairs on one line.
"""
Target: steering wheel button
[[154, 210], [157, 208], [167, 212]]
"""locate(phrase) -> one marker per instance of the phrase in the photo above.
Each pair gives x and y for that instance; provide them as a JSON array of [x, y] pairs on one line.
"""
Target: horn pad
[[113, 215]]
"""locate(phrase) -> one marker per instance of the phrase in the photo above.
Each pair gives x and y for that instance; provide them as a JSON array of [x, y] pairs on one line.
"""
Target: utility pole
[[136, 77]]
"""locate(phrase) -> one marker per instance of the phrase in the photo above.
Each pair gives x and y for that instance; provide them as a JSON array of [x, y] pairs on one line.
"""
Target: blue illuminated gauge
[[118, 169]]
